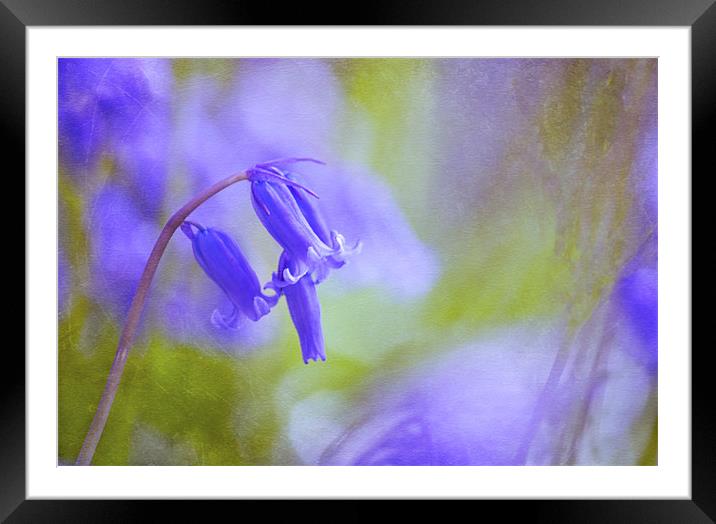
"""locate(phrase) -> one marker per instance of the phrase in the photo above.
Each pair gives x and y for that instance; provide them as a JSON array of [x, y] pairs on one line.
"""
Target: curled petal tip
[[289, 277], [338, 240], [313, 255], [342, 253], [273, 285], [186, 227], [272, 300], [261, 307]]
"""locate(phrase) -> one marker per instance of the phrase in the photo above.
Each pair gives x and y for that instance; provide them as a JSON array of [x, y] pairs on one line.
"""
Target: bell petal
[[305, 311], [295, 222], [224, 263], [303, 305]]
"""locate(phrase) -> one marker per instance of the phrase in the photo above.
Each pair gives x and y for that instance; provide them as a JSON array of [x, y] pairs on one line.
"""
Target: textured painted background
[[503, 310]]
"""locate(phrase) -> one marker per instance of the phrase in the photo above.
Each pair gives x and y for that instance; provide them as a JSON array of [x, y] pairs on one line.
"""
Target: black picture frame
[[16, 15]]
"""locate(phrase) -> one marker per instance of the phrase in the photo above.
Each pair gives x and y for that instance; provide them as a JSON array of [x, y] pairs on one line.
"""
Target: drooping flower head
[[222, 260], [310, 251], [283, 206], [304, 307]]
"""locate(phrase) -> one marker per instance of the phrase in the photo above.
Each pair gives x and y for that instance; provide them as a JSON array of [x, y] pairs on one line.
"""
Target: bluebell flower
[[222, 260], [314, 251], [304, 307], [184, 307]]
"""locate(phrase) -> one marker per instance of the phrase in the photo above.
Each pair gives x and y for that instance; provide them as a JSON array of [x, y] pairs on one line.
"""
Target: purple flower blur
[[223, 262], [473, 405], [97, 97], [119, 108], [637, 292], [121, 239]]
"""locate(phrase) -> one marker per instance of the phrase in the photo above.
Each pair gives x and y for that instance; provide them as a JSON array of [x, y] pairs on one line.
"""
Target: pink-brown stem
[[135, 312]]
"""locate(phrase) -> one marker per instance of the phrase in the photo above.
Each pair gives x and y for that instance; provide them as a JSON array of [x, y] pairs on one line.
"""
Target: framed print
[[411, 261]]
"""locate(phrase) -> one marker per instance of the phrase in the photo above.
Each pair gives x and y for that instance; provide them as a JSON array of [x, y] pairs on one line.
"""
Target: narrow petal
[[296, 223], [305, 311], [280, 214], [312, 214], [304, 307]]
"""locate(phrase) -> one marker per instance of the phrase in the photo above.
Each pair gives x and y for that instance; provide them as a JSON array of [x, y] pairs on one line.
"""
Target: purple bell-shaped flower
[[293, 221], [304, 307], [223, 262]]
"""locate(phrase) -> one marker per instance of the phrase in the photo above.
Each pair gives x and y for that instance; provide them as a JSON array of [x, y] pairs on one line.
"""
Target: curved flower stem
[[135, 311]]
